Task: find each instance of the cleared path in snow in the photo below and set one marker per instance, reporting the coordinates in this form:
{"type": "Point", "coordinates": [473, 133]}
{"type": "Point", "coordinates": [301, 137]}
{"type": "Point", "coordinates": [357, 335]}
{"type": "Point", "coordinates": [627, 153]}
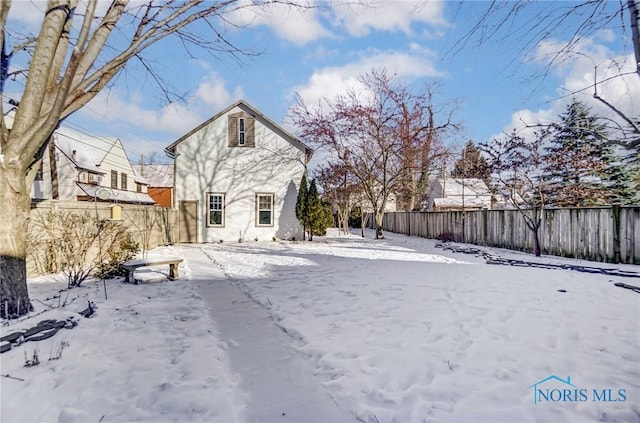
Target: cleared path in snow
{"type": "Point", "coordinates": [279, 382]}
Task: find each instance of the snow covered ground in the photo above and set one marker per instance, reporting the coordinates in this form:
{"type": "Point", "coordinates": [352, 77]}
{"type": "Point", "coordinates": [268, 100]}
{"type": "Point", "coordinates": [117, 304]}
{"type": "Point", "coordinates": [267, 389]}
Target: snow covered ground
{"type": "Point", "coordinates": [150, 354]}
{"type": "Point", "coordinates": [393, 330]}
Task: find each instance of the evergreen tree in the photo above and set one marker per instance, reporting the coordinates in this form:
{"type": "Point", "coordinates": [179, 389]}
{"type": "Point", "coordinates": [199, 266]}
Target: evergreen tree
{"type": "Point", "coordinates": [472, 164]}
{"type": "Point", "coordinates": [582, 167]}
{"type": "Point", "coordinates": [302, 210]}
{"type": "Point", "coordinates": [315, 211]}
{"type": "Point", "coordinates": [632, 161]}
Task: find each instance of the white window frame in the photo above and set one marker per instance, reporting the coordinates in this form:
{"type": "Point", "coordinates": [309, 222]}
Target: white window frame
{"type": "Point", "coordinates": [221, 209]}
{"type": "Point", "coordinates": [258, 209]}
{"type": "Point", "coordinates": [242, 127]}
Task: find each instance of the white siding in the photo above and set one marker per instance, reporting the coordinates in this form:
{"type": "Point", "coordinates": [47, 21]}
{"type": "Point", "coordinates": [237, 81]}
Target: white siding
{"type": "Point", "coordinates": [116, 159]}
{"type": "Point", "coordinates": [206, 164]}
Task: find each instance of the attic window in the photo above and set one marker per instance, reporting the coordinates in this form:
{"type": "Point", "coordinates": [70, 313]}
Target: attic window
{"type": "Point", "coordinates": [241, 131]}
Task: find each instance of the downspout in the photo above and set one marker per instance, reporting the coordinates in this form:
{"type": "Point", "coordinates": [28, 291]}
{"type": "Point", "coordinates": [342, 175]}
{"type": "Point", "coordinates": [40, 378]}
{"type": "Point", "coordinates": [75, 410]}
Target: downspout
{"type": "Point", "coordinates": [53, 169]}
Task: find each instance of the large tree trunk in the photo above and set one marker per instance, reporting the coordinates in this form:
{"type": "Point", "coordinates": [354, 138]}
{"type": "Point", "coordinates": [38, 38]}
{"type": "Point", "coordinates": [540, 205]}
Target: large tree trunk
{"type": "Point", "coordinates": [378, 222]}
{"type": "Point", "coordinates": [363, 221]}
{"type": "Point", "coordinates": [14, 215]}
{"type": "Point", "coordinates": [536, 241]}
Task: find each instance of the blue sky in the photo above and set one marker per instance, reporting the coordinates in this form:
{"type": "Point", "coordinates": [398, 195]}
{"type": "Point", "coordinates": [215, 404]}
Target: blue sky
{"type": "Point", "coordinates": [319, 52]}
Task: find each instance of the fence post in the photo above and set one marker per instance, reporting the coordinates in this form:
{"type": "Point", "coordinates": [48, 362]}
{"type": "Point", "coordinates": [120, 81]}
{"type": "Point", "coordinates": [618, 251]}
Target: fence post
{"type": "Point", "coordinates": [484, 226]}
{"type": "Point", "coordinates": [615, 214]}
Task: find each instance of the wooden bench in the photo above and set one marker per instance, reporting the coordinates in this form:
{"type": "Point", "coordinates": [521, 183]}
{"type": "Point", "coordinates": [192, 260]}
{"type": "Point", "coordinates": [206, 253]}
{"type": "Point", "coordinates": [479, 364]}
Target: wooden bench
{"type": "Point", "coordinates": [132, 265]}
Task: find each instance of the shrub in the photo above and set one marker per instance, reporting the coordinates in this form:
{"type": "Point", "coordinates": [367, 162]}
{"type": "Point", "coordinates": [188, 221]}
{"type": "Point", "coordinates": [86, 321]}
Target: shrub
{"type": "Point", "coordinates": [121, 251]}
{"type": "Point", "coordinates": [446, 237]}
{"type": "Point", "coordinates": [324, 220]}
{"type": "Point", "coordinates": [79, 243]}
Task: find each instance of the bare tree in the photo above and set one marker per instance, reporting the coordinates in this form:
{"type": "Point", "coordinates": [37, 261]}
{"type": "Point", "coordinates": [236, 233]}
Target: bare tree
{"type": "Point", "coordinates": [508, 20]}
{"type": "Point", "coordinates": [374, 133]}
{"type": "Point", "coordinates": [518, 167]}
{"type": "Point", "coordinates": [339, 188]}
{"type": "Point", "coordinates": [424, 126]}
{"type": "Point", "coordinates": [70, 65]}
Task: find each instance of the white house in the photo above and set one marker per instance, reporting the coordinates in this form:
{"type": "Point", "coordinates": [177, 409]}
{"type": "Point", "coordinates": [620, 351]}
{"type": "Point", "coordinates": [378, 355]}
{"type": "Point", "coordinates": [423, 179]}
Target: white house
{"type": "Point", "coordinates": [75, 166]}
{"type": "Point", "coordinates": [458, 194]}
{"type": "Point", "coordinates": [237, 177]}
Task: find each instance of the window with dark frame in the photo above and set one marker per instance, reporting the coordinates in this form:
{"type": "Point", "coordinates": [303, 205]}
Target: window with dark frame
{"type": "Point", "coordinates": [264, 203]}
{"type": "Point", "coordinates": [123, 181]}
{"type": "Point", "coordinates": [114, 179]}
{"type": "Point", "coordinates": [216, 209]}
{"type": "Point", "coordinates": [138, 187]}
{"type": "Point", "coordinates": [241, 131]}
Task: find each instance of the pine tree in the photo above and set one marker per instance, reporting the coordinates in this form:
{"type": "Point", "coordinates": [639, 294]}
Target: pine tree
{"type": "Point", "coordinates": [315, 212]}
{"type": "Point", "coordinates": [302, 210]}
{"type": "Point", "coordinates": [632, 162]}
{"type": "Point", "coordinates": [472, 164]}
{"type": "Point", "coordinates": [582, 168]}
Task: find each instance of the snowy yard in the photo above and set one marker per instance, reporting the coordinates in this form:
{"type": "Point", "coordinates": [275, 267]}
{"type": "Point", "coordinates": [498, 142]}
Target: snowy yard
{"type": "Point", "coordinates": [396, 330]}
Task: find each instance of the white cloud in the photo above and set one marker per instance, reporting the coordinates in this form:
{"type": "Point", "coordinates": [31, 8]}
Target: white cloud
{"type": "Point", "coordinates": [176, 118]}
{"type": "Point", "coordinates": [301, 25]}
{"type": "Point", "coordinates": [29, 13]}
{"type": "Point", "coordinates": [588, 60]}
{"type": "Point", "coordinates": [213, 92]}
{"type": "Point", "coordinates": [331, 81]}
{"type": "Point", "coordinates": [297, 25]}
{"type": "Point", "coordinates": [360, 19]}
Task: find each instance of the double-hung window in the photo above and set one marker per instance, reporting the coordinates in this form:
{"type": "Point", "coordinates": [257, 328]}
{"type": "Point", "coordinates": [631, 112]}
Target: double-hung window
{"type": "Point", "coordinates": [264, 206]}
{"type": "Point", "coordinates": [216, 209]}
{"type": "Point", "coordinates": [114, 179]}
{"type": "Point", "coordinates": [123, 181]}
{"type": "Point", "coordinates": [241, 131]}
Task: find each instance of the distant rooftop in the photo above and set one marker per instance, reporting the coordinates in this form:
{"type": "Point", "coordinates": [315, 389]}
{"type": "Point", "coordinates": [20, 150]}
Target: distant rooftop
{"type": "Point", "coordinates": [89, 150]}
{"type": "Point", "coordinates": [157, 175]}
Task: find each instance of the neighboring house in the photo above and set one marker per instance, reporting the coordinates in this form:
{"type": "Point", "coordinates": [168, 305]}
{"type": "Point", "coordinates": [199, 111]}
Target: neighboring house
{"type": "Point", "coordinates": [237, 177]}
{"type": "Point", "coordinates": [458, 194]}
{"type": "Point", "coordinates": [160, 179]}
{"type": "Point", "coordinates": [360, 199]}
{"type": "Point", "coordinates": [75, 166]}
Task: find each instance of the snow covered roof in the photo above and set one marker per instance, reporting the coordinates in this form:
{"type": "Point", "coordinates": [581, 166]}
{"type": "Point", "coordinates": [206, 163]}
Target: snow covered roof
{"type": "Point", "coordinates": [116, 194]}
{"type": "Point", "coordinates": [156, 175]}
{"type": "Point", "coordinates": [89, 150]}
{"type": "Point", "coordinates": [469, 203]}
{"type": "Point", "coordinates": [139, 179]}
{"type": "Point", "coordinates": [468, 186]}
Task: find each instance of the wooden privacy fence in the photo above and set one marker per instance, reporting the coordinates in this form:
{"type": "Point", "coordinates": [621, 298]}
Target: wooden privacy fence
{"type": "Point", "coordinates": [149, 225]}
{"type": "Point", "coordinates": [607, 234]}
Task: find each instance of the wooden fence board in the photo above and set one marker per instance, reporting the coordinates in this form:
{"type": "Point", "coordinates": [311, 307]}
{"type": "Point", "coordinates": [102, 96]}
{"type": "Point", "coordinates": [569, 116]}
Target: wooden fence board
{"type": "Point", "coordinates": [585, 233]}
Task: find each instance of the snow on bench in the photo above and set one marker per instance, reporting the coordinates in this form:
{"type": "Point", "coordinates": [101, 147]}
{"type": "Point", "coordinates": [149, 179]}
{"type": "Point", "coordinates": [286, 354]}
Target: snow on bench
{"type": "Point", "coordinates": [132, 265]}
